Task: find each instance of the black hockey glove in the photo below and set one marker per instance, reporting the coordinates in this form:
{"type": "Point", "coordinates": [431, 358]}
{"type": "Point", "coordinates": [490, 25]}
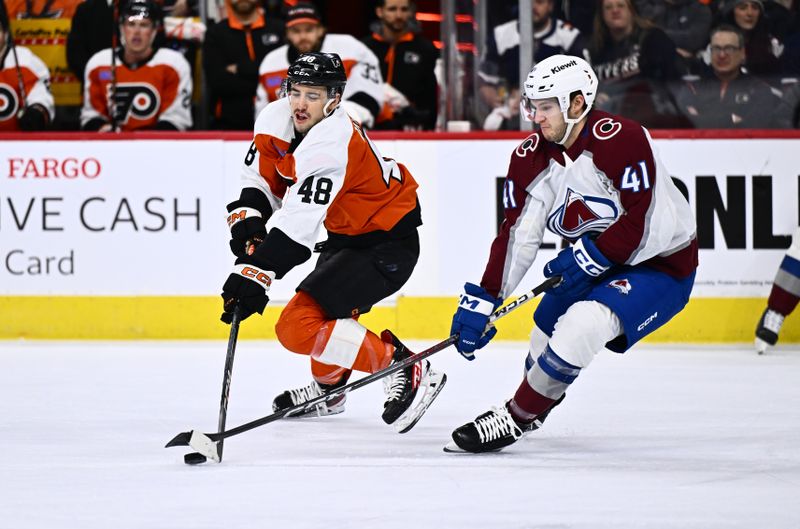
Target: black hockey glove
{"type": "Point", "coordinates": [34, 118]}
{"type": "Point", "coordinates": [248, 228]}
{"type": "Point", "coordinates": [246, 287]}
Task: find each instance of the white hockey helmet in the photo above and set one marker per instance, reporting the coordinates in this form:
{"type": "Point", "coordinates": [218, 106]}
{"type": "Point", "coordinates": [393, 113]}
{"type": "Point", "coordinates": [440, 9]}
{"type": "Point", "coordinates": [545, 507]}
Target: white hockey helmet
{"type": "Point", "coordinates": [559, 76]}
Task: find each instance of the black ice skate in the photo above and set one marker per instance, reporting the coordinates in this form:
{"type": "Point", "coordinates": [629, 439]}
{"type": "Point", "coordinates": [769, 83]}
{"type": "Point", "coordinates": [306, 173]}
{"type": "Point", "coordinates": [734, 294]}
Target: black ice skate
{"type": "Point", "coordinates": [768, 328]}
{"type": "Point", "coordinates": [494, 430]}
{"type": "Point", "coordinates": [402, 387]}
{"type": "Point", "coordinates": [293, 397]}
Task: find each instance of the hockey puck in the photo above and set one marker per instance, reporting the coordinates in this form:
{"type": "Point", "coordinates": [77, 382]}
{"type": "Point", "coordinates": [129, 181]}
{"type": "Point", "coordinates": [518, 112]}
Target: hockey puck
{"type": "Point", "coordinates": [195, 458]}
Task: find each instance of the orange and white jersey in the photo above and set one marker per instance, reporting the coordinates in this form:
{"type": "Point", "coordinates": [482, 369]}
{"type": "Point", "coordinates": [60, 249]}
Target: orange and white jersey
{"type": "Point", "coordinates": [158, 90]}
{"type": "Point", "coordinates": [363, 94]}
{"type": "Point", "coordinates": [35, 81]}
{"type": "Point", "coordinates": [335, 177]}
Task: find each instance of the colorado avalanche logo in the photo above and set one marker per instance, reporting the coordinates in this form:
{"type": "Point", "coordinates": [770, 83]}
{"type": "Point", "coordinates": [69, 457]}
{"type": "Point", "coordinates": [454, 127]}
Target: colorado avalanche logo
{"type": "Point", "coordinates": [623, 285]}
{"type": "Point", "coordinates": [580, 214]}
{"type": "Point", "coordinates": [606, 128]}
{"type": "Point", "coordinates": [529, 144]}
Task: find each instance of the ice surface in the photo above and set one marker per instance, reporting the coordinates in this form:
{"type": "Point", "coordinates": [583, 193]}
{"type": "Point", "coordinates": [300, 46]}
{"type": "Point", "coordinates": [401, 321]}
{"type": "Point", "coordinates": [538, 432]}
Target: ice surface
{"type": "Point", "coordinates": [688, 437]}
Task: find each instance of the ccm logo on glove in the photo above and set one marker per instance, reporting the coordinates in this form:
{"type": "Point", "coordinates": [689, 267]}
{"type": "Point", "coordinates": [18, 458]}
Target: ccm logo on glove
{"type": "Point", "coordinates": [257, 275]}
{"type": "Point", "coordinates": [241, 214]}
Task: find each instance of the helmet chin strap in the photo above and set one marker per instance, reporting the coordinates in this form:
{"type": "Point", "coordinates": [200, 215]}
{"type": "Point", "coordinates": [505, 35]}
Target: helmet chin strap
{"type": "Point", "coordinates": [327, 110]}
{"type": "Point", "coordinates": [571, 123]}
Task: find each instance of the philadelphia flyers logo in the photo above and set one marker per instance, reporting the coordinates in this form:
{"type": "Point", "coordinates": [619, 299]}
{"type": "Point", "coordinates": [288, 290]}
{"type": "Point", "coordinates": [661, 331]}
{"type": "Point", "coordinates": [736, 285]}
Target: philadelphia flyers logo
{"type": "Point", "coordinates": [529, 144]}
{"type": "Point", "coordinates": [606, 128]}
{"type": "Point", "coordinates": [9, 102]}
{"type": "Point", "coordinates": [136, 100]}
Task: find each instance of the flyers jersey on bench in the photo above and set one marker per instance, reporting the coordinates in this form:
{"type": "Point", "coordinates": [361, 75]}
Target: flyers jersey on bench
{"type": "Point", "coordinates": [364, 81]}
{"type": "Point", "coordinates": [35, 80]}
{"type": "Point", "coordinates": [158, 90]}
{"type": "Point", "coordinates": [335, 177]}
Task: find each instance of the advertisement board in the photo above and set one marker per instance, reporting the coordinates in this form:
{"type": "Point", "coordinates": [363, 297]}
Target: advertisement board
{"type": "Point", "coordinates": [146, 217]}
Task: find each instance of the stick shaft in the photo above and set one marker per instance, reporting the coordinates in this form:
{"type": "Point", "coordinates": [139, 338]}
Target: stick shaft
{"type": "Point", "coordinates": [503, 311]}
{"type": "Point", "coordinates": [228, 374]}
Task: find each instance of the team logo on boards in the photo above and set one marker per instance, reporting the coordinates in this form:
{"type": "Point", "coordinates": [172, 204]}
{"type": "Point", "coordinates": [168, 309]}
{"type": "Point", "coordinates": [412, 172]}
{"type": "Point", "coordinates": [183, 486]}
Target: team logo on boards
{"type": "Point", "coordinates": [623, 285]}
{"type": "Point", "coordinates": [580, 214]}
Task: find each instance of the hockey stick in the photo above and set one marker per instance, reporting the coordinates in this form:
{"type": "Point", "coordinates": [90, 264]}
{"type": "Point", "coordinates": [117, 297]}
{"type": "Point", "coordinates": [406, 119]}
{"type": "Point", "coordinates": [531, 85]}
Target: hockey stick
{"type": "Point", "coordinates": [195, 458]}
{"type": "Point", "coordinates": [205, 443]}
{"type": "Point", "coordinates": [13, 48]}
{"type": "Point", "coordinates": [112, 100]}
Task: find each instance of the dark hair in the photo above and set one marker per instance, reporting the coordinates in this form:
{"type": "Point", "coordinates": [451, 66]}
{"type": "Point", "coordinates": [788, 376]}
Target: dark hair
{"type": "Point", "coordinates": [382, 3]}
{"type": "Point", "coordinates": [728, 28]}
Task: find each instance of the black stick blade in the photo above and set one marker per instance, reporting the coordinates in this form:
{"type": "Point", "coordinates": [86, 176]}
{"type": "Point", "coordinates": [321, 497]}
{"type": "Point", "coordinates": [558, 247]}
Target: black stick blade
{"type": "Point", "coordinates": [182, 439]}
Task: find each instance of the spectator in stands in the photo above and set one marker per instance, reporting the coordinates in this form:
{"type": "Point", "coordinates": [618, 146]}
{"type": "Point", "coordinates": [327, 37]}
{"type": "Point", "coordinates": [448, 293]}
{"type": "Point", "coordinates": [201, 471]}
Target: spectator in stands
{"type": "Point", "coordinates": [363, 95]}
{"type": "Point", "coordinates": [137, 86]}
{"type": "Point", "coordinates": [232, 52]}
{"type": "Point", "coordinates": [686, 22]}
{"type": "Point", "coordinates": [634, 61]}
{"type": "Point", "coordinates": [27, 103]}
{"type": "Point", "coordinates": [729, 97]}
{"type": "Point", "coordinates": [499, 69]}
{"type": "Point", "coordinates": [762, 49]}
{"type": "Point", "coordinates": [407, 66]}
{"type": "Point", "coordinates": [92, 29]}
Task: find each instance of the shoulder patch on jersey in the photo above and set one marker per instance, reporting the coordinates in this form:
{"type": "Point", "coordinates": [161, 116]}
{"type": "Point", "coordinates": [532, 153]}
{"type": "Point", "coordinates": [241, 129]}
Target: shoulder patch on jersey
{"type": "Point", "coordinates": [529, 144]}
{"type": "Point", "coordinates": [606, 128]}
{"type": "Point", "coordinates": [579, 214]}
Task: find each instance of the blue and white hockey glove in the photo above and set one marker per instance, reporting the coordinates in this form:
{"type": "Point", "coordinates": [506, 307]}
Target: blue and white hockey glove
{"type": "Point", "coordinates": [578, 266]}
{"type": "Point", "coordinates": [470, 320]}
{"type": "Point", "coordinates": [247, 286]}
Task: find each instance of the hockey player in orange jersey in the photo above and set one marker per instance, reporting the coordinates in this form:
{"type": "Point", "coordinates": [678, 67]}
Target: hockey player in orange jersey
{"type": "Point", "coordinates": [310, 165]}
{"type": "Point", "coordinates": [25, 99]}
{"type": "Point", "coordinates": [144, 88]}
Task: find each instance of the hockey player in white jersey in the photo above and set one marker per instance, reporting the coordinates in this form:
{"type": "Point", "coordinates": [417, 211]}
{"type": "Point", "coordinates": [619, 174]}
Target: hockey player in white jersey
{"type": "Point", "coordinates": [363, 95]}
{"type": "Point", "coordinates": [596, 180]}
{"type": "Point", "coordinates": [311, 165]}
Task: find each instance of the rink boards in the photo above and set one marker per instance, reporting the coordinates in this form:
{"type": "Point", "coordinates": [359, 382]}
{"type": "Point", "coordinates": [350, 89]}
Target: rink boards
{"type": "Point", "coordinates": [126, 238]}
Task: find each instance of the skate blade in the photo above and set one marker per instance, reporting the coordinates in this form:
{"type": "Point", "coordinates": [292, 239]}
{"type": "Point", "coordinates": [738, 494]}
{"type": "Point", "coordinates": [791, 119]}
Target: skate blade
{"type": "Point", "coordinates": [453, 448]}
{"type": "Point", "coordinates": [435, 384]}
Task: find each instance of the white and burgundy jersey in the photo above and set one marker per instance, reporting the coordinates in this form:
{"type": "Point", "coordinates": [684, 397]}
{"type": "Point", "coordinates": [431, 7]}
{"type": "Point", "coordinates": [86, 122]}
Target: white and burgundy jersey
{"type": "Point", "coordinates": [335, 177]}
{"type": "Point", "coordinates": [158, 90]}
{"type": "Point", "coordinates": [35, 81]}
{"type": "Point", "coordinates": [610, 181]}
{"type": "Point", "coordinates": [363, 92]}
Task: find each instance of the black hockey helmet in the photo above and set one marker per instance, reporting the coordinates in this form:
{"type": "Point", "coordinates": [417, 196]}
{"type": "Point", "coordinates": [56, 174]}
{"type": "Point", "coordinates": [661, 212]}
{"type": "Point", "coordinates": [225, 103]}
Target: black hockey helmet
{"type": "Point", "coordinates": [318, 69]}
{"type": "Point", "coordinates": [141, 9]}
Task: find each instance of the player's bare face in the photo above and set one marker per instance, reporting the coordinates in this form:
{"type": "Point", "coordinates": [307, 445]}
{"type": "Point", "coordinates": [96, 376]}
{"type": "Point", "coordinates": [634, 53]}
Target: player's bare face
{"type": "Point", "coordinates": [307, 104]}
{"type": "Point", "coordinates": [139, 34]}
{"type": "Point", "coordinates": [618, 16]}
{"type": "Point", "coordinates": [305, 37]}
{"type": "Point", "coordinates": [746, 15]}
{"type": "Point", "coordinates": [395, 14]}
{"type": "Point", "coordinates": [547, 115]}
